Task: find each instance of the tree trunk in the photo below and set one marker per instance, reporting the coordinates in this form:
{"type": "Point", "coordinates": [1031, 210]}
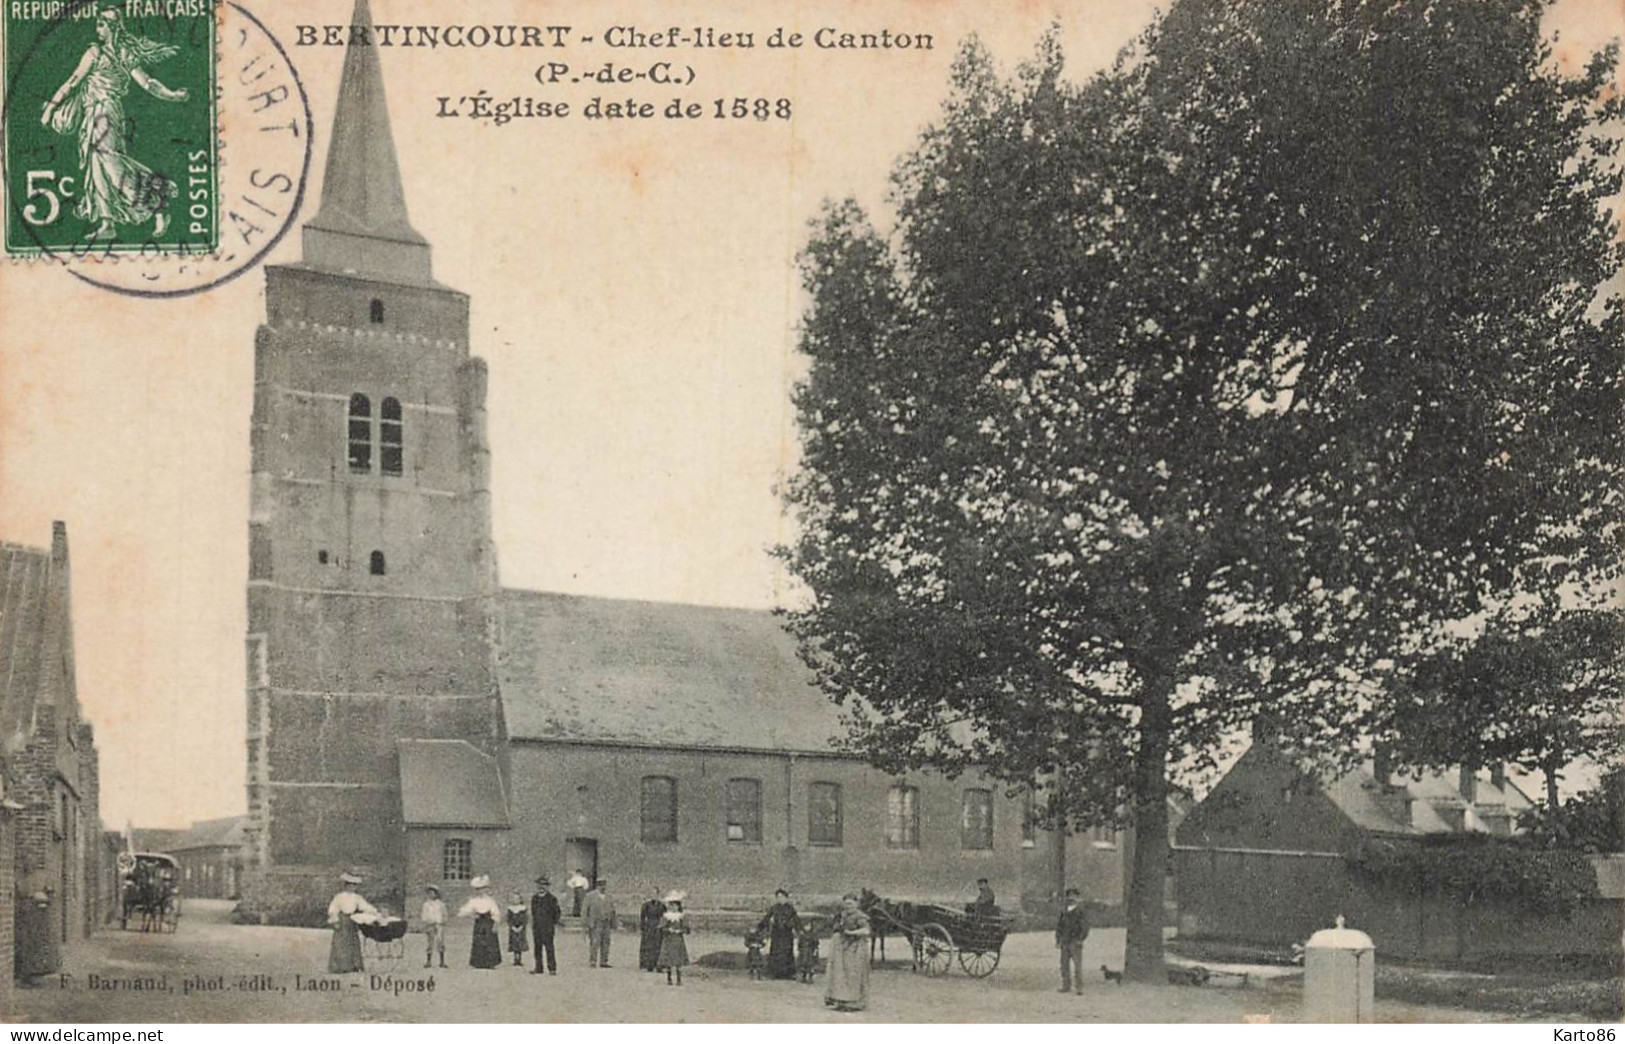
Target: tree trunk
{"type": "Point", "coordinates": [1142, 958]}
{"type": "Point", "coordinates": [1553, 770]}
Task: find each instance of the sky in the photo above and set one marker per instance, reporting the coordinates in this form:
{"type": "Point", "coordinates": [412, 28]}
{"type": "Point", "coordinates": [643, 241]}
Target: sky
{"type": "Point", "coordinates": [633, 289]}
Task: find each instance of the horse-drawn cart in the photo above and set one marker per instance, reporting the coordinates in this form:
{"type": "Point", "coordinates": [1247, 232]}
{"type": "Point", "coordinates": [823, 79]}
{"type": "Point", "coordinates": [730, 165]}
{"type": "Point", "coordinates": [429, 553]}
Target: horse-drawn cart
{"type": "Point", "coordinates": [149, 891]}
{"type": "Point", "coordinates": [940, 935]}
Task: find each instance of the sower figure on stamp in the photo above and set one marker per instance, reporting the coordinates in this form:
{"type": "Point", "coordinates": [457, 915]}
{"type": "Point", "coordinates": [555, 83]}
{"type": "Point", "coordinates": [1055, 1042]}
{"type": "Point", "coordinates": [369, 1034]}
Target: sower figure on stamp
{"type": "Point", "coordinates": [115, 189]}
{"type": "Point", "coordinates": [598, 910]}
{"type": "Point", "coordinates": [544, 918]}
{"type": "Point", "coordinates": [1071, 928]}
{"type": "Point", "coordinates": [433, 916]}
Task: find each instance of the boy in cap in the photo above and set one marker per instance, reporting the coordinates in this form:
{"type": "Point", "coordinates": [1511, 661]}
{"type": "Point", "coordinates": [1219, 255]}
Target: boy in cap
{"type": "Point", "coordinates": [433, 916]}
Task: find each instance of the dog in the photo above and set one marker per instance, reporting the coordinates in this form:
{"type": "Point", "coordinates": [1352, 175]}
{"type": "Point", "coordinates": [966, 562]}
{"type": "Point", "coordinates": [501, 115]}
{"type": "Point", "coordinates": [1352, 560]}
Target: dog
{"type": "Point", "coordinates": [1111, 976]}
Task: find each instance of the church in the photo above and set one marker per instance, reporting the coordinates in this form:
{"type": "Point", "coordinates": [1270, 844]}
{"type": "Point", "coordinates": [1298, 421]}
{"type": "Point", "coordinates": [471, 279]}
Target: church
{"type": "Point", "coordinates": [410, 717]}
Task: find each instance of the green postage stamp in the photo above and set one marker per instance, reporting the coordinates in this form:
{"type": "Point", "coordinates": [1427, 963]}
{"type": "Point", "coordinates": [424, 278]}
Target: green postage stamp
{"type": "Point", "coordinates": [109, 116]}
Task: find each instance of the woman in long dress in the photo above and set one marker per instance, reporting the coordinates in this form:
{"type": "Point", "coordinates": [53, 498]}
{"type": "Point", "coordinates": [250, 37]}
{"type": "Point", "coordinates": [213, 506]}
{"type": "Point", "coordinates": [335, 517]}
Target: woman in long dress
{"type": "Point", "coordinates": [780, 926]}
{"type": "Point", "coordinates": [486, 951]}
{"type": "Point", "coordinates": [847, 975]}
{"type": "Point", "coordinates": [344, 956]}
{"type": "Point", "coordinates": [649, 933]}
{"type": "Point", "coordinates": [114, 188]}
{"type": "Point", "coordinates": [673, 949]}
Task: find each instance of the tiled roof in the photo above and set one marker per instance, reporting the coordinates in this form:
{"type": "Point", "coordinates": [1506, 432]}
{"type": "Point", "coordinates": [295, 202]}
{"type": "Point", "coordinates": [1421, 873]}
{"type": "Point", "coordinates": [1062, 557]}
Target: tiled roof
{"type": "Point", "coordinates": [1372, 807]}
{"type": "Point", "coordinates": [450, 783]}
{"type": "Point", "coordinates": [619, 671]}
{"type": "Point", "coordinates": [211, 833]}
{"type": "Point", "coordinates": [156, 839]}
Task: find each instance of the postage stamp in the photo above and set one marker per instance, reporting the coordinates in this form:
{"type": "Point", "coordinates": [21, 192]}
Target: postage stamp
{"type": "Point", "coordinates": [110, 127]}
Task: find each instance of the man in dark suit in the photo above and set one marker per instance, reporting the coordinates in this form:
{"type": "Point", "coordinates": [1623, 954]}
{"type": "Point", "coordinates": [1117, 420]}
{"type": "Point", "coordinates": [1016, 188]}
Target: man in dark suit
{"type": "Point", "coordinates": [544, 917]}
{"type": "Point", "coordinates": [1071, 928]}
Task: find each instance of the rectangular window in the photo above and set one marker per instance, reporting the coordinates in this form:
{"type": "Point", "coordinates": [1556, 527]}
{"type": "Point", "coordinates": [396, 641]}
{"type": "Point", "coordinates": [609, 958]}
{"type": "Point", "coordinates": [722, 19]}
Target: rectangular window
{"type": "Point", "coordinates": [976, 820]}
{"type": "Point", "coordinates": [457, 859]}
{"type": "Point", "coordinates": [745, 810]}
{"type": "Point", "coordinates": [659, 809]}
{"type": "Point", "coordinates": [903, 817]}
{"type": "Point", "coordinates": [390, 440]}
{"type": "Point", "coordinates": [824, 814]}
{"type": "Point", "coordinates": [1104, 836]}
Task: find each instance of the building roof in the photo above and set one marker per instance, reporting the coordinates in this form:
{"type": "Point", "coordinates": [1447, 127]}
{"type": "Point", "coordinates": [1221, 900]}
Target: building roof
{"type": "Point", "coordinates": [609, 670]}
{"type": "Point", "coordinates": [450, 783]}
{"type": "Point", "coordinates": [226, 832]}
{"type": "Point", "coordinates": [156, 839]}
{"type": "Point", "coordinates": [1412, 804]}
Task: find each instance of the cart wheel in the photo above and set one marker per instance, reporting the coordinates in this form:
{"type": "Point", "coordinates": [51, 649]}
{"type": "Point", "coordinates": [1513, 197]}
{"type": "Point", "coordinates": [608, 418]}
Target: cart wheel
{"type": "Point", "coordinates": [936, 950]}
{"type": "Point", "coordinates": [979, 963]}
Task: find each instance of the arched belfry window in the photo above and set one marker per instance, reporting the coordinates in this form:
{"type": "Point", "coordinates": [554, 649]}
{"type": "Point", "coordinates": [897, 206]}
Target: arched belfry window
{"type": "Point", "coordinates": [360, 433]}
{"type": "Point", "coordinates": [377, 310]}
{"type": "Point", "coordinates": [390, 436]}
{"type": "Point", "coordinates": [376, 563]}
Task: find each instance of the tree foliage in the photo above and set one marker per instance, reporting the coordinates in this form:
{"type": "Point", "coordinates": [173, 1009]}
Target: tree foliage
{"type": "Point", "coordinates": [1475, 868]}
{"type": "Point", "coordinates": [1213, 385]}
{"type": "Point", "coordinates": [1591, 821]}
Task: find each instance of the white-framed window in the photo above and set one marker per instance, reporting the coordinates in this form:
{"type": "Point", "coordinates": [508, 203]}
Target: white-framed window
{"type": "Point", "coordinates": [457, 859]}
{"type": "Point", "coordinates": [976, 819]}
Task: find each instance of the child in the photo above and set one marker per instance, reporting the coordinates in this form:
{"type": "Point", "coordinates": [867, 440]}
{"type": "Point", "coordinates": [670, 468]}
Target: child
{"type": "Point", "coordinates": [754, 961]}
{"type": "Point", "coordinates": [673, 950]}
{"type": "Point", "coordinates": [518, 921]}
{"type": "Point", "coordinates": [434, 927]}
{"type": "Point", "coordinates": [806, 950]}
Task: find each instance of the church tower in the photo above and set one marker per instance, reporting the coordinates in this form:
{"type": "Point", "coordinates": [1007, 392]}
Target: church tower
{"type": "Point", "coordinates": [372, 575]}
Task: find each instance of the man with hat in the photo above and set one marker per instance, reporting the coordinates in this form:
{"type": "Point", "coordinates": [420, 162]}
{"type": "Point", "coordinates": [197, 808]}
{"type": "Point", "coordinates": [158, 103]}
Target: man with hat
{"type": "Point", "coordinates": [544, 917]}
{"type": "Point", "coordinates": [1071, 928]}
{"type": "Point", "coordinates": [598, 910]}
{"type": "Point", "coordinates": [434, 927]}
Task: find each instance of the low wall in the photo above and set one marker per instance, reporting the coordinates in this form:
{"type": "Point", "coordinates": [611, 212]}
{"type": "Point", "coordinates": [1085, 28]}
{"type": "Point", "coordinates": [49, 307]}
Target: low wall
{"type": "Point", "coordinates": [1275, 899]}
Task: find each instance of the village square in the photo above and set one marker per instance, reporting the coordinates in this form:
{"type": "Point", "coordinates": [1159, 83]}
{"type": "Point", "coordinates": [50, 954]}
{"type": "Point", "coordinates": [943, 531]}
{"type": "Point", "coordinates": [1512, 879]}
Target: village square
{"type": "Point", "coordinates": [1187, 630]}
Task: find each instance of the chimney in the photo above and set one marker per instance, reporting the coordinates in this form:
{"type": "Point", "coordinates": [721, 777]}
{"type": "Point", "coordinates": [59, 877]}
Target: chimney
{"type": "Point", "coordinates": [1467, 784]}
{"type": "Point", "coordinates": [1382, 764]}
{"type": "Point", "coordinates": [59, 542]}
{"type": "Point", "coordinates": [1265, 729]}
{"type": "Point", "coordinates": [1498, 775]}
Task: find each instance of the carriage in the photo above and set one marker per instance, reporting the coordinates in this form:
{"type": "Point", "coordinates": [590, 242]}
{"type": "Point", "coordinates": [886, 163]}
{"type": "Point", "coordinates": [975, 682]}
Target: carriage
{"type": "Point", "coordinates": [942, 935]}
{"type": "Point", "coordinates": [149, 891]}
{"type": "Point", "coordinates": [383, 941]}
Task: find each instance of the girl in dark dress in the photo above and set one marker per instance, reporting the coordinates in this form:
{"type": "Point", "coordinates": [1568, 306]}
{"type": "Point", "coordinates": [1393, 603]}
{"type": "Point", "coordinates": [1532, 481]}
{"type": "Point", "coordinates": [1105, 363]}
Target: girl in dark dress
{"type": "Point", "coordinates": [649, 931]}
{"type": "Point", "coordinates": [518, 921]}
{"type": "Point", "coordinates": [673, 950]}
{"type": "Point", "coordinates": [780, 927]}
{"type": "Point", "coordinates": [486, 951]}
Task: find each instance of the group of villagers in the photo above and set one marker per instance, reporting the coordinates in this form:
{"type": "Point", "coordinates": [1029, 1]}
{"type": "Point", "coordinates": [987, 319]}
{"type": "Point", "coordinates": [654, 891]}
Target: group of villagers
{"type": "Point", "coordinates": [791, 942]}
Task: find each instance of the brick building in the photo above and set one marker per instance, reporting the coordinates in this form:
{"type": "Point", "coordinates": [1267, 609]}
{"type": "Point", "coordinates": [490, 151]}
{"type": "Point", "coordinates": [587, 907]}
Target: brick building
{"type": "Point", "coordinates": [409, 716]}
{"type": "Point", "coordinates": [49, 788]}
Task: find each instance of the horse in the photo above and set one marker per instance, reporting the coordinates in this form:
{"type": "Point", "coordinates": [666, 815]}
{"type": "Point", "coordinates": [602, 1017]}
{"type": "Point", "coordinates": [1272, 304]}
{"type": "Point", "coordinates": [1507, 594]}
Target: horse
{"type": "Point", "coordinates": [147, 891]}
{"type": "Point", "coordinates": [888, 918]}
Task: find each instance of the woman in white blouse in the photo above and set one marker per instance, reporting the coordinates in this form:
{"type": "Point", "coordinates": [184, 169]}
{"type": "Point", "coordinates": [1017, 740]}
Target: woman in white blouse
{"type": "Point", "coordinates": [345, 955]}
{"type": "Point", "coordinates": [486, 951]}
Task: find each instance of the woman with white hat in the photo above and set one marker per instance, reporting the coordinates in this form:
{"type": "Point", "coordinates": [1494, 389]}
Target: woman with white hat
{"type": "Point", "coordinates": [345, 954]}
{"type": "Point", "coordinates": [673, 950]}
{"type": "Point", "coordinates": [486, 951]}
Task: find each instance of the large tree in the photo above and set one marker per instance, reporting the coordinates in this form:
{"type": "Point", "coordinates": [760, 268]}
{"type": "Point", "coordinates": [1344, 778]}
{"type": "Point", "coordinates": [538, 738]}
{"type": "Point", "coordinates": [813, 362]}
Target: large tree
{"type": "Point", "coordinates": [1213, 386]}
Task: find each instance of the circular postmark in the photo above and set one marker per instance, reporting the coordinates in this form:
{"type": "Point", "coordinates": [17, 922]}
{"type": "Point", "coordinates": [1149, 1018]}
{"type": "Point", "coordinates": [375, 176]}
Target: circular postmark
{"type": "Point", "coordinates": [155, 148]}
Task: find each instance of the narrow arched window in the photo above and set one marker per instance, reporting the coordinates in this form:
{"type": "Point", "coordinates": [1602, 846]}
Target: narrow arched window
{"type": "Point", "coordinates": [360, 433]}
{"type": "Point", "coordinates": [390, 436]}
{"type": "Point", "coordinates": [377, 310]}
{"type": "Point", "coordinates": [377, 563]}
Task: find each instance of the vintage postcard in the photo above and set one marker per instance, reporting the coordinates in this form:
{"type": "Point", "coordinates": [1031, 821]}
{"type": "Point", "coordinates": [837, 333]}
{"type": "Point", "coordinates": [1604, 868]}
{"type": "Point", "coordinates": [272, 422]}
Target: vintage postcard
{"type": "Point", "coordinates": [811, 511]}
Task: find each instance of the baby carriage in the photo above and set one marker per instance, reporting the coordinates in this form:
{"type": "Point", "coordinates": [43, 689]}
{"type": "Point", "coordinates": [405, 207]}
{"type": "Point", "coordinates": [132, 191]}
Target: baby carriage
{"type": "Point", "coordinates": [383, 941]}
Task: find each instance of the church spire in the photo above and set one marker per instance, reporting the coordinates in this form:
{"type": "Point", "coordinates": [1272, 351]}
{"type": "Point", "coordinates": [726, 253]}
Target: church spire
{"type": "Point", "coordinates": [361, 226]}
